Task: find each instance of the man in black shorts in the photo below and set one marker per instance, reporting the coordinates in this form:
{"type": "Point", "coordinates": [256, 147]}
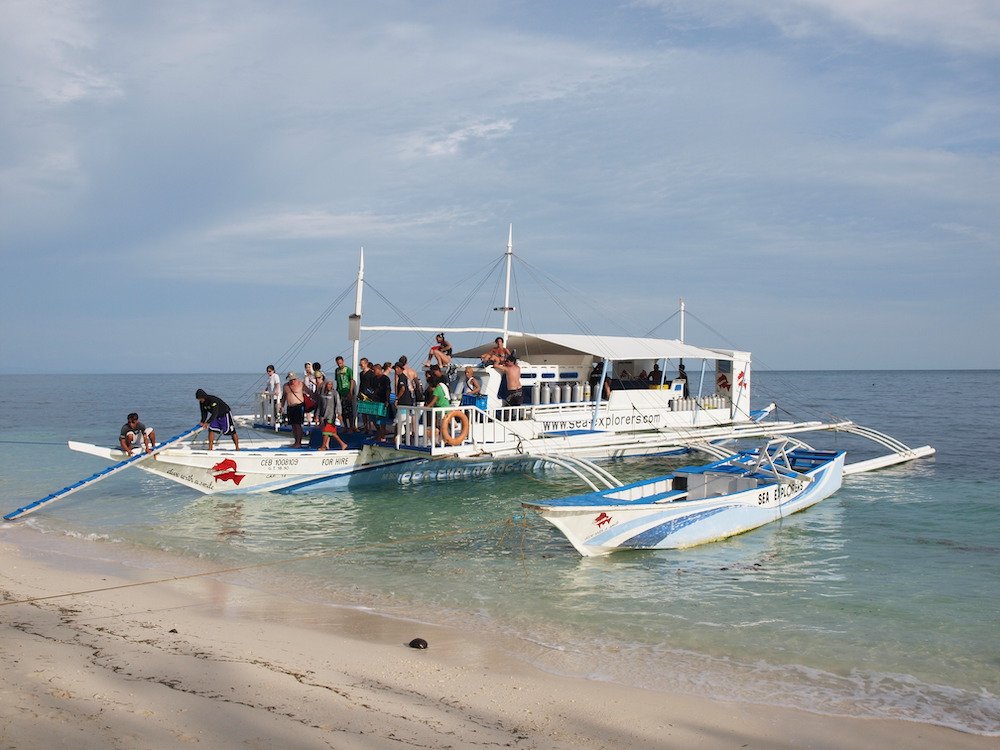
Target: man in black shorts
{"type": "Point", "coordinates": [216, 416]}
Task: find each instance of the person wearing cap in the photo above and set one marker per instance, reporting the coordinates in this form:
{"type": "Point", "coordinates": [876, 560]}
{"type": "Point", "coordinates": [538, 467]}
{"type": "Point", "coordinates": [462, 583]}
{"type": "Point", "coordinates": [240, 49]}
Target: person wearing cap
{"type": "Point", "coordinates": [135, 434]}
{"type": "Point", "coordinates": [293, 399]}
{"type": "Point", "coordinates": [404, 386]}
{"type": "Point", "coordinates": [217, 417]}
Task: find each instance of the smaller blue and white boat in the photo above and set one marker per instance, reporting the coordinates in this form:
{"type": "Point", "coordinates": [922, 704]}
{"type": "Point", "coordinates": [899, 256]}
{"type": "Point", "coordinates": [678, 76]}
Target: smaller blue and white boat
{"type": "Point", "coordinates": [697, 504]}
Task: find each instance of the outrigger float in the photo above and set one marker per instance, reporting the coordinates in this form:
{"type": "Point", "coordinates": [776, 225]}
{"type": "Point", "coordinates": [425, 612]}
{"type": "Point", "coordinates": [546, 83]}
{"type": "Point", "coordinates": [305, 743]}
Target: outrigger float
{"type": "Point", "coordinates": [565, 419]}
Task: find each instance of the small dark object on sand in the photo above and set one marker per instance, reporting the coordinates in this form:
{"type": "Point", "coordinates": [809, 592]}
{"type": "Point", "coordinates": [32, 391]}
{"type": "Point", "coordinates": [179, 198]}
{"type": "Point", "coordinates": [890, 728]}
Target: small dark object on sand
{"type": "Point", "coordinates": [418, 643]}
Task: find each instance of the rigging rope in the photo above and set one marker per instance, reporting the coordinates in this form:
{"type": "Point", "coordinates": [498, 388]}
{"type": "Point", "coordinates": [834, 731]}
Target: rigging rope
{"type": "Point", "coordinates": [789, 390]}
{"type": "Point", "coordinates": [285, 361]}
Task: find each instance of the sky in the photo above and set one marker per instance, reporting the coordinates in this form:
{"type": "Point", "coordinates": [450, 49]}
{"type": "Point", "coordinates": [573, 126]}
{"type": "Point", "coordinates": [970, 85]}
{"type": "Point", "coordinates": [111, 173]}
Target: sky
{"type": "Point", "coordinates": [186, 186]}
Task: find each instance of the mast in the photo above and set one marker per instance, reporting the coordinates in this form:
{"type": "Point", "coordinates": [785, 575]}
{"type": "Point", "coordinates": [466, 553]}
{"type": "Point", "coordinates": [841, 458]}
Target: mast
{"type": "Point", "coordinates": [506, 293]}
{"type": "Point", "coordinates": [356, 317]}
{"type": "Point", "coordinates": [682, 320]}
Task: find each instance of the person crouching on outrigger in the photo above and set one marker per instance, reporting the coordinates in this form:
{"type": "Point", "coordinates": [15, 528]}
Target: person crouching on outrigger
{"type": "Point", "coordinates": [135, 435]}
{"type": "Point", "coordinates": [217, 417]}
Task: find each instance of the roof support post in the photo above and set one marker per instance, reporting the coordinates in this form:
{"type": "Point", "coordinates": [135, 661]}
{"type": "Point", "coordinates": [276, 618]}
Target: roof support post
{"type": "Point", "coordinates": [600, 393]}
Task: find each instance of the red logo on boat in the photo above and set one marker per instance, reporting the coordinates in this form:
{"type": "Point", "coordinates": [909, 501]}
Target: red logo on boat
{"type": "Point", "coordinates": [602, 519]}
{"type": "Point", "coordinates": [723, 382]}
{"type": "Point", "coordinates": [741, 380]}
{"type": "Point", "coordinates": [227, 472]}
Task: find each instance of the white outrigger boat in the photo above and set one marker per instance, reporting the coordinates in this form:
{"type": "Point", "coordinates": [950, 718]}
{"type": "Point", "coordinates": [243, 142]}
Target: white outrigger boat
{"type": "Point", "coordinates": [564, 419]}
{"type": "Point", "coordinates": [697, 504]}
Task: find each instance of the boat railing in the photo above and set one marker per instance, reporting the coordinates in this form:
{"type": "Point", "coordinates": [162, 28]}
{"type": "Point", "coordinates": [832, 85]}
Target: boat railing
{"type": "Point", "coordinates": [450, 429]}
{"type": "Point", "coordinates": [269, 410]}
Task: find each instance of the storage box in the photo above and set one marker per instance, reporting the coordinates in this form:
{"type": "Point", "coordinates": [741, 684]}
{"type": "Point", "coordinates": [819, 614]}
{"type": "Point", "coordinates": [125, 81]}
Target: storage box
{"type": "Point", "coordinates": [372, 408]}
{"type": "Point", "coordinates": [470, 399]}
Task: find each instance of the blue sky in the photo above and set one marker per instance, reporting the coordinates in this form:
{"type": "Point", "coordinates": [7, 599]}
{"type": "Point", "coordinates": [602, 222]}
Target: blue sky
{"type": "Point", "coordinates": [184, 186]}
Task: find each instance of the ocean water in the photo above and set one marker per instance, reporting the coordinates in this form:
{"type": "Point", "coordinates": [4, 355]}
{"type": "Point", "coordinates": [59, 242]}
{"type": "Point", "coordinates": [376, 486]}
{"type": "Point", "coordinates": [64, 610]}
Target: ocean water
{"type": "Point", "coordinates": [882, 601]}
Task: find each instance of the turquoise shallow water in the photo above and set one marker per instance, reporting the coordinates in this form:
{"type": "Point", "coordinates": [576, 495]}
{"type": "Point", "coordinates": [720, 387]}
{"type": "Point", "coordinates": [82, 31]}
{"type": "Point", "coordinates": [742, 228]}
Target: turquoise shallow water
{"type": "Point", "coordinates": [881, 601]}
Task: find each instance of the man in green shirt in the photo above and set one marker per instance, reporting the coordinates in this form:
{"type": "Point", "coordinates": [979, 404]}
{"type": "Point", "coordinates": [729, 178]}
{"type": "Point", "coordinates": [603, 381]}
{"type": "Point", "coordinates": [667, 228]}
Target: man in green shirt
{"type": "Point", "coordinates": [344, 378]}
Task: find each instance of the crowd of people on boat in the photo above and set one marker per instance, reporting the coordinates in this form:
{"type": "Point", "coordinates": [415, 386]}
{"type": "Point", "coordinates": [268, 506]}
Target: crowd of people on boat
{"type": "Point", "coordinates": [342, 403]}
{"type": "Point", "coordinates": [366, 402]}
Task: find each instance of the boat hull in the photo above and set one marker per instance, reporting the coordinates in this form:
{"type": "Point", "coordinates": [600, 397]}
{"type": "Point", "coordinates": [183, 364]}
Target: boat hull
{"type": "Point", "coordinates": [267, 470]}
{"type": "Point", "coordinates": [283, 470]}
{"type": "Point", "coordinates": [595, 529]}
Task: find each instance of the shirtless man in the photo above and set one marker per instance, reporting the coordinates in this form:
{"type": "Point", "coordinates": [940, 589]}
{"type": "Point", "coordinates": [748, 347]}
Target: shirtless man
{"type": "Point", "coordinates": [512, 371]}
{"type": "Point", "coordinates": [294, 401]}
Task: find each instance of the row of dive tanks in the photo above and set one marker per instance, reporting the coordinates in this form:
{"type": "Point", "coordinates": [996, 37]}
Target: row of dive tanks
{"type": "Point", "coordinates": [564, 393]}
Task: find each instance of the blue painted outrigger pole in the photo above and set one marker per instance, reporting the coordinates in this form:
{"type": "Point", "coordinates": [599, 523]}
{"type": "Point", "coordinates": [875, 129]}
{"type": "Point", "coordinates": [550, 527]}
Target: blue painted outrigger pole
{"type": "Point", "coordinates": [94, 478]}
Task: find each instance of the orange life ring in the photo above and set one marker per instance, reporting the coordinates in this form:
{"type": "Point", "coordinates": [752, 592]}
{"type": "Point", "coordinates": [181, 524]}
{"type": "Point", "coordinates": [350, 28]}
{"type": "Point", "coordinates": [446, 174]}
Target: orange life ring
{"type": "Point", "coordinates": [446, 428]}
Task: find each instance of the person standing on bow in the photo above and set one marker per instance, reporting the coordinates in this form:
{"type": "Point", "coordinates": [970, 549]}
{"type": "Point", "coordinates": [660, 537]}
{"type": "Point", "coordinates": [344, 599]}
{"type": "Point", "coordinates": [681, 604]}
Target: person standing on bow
{"type": "Point", "coordinates": [293, 398]}
{"type": "Point", "coordinates": [217, 417]}
{"type": "Point", "coordinates": [135, 434]}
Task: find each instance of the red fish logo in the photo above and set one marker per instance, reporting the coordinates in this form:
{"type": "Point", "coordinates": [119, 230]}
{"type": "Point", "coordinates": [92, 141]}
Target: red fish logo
{"type": "Point", "coordinates": [227, 472]}
{"type": "Point", "coordinates": [723, 382]}
{"type": "Point", "coordinates": [741, 380]}
{"type": "Point", "coordinates": [602, 519]}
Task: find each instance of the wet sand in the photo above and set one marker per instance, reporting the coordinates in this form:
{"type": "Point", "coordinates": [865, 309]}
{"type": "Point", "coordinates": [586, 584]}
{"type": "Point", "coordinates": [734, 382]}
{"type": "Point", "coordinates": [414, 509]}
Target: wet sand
{"type": "Point", "coordinates": [107, 663]}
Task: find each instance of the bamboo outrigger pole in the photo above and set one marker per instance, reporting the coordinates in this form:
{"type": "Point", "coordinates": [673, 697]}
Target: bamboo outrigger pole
{"type": "Point", "coordinates": [95, 478]}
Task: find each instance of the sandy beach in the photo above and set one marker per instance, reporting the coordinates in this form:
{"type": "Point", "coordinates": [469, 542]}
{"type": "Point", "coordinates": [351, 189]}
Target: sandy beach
{"type": "Point", "coordinates": [91, 659]}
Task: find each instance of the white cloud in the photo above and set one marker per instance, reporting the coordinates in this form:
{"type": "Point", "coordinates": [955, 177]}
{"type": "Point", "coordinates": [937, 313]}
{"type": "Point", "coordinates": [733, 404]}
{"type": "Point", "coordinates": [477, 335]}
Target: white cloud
{"type": "Point", "coordinates": [965, 25]}
{"type": "Point", "coordinates": [149, 142]}
{"type": "Point", "coordinates": [958, 25]}
{"type": "Point", "coordinates": [48, 53]}
{"type": "Point", "coordinates": [321, 224]}
{"type": "Point", "coordinates": [431, 143]}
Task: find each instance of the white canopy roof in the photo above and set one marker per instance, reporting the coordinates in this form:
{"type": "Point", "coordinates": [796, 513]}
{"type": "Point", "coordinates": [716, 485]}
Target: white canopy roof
{"type": "Point", "coordinates": [616, 348]}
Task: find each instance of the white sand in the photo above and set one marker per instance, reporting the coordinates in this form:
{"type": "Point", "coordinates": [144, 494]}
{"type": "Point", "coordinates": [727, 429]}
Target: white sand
{"type": "Point", "coordinates": [249, 669]}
